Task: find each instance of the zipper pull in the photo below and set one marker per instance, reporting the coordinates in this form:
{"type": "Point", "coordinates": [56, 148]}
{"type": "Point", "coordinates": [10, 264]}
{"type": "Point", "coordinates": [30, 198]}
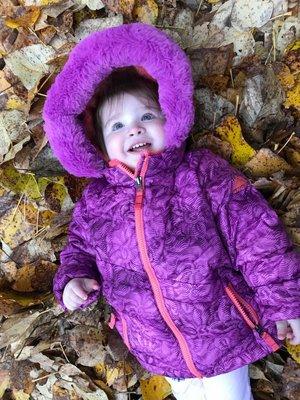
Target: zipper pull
{"type": "Point", "coordinates": [138, 182]}
{"type": "Point", "coordinates": [259, 329]}
{"type": "Point", "coordinates": [139, 192]}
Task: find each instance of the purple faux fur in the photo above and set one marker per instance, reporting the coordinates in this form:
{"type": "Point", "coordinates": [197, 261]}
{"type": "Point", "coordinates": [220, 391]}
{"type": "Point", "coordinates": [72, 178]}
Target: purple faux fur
{"type": "Point", "coordinates": [89, 63]}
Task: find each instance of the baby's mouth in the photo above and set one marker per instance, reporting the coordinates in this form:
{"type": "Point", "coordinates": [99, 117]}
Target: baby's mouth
{"type": "Point", "coordinates": [139, 147]}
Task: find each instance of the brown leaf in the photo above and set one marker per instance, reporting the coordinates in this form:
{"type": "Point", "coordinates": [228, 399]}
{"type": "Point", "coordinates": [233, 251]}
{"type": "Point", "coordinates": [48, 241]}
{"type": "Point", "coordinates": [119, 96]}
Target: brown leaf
{"type": "Point", "coordinates": [124, 7]}
{"type": "Point", "coordinates": [215, 144]}
{"type": "Point", "coordinates": [265, 163]}
{"type": "Point", "coordinates": [87, 342]}
{"type": "Point", "coordinates": [291, 380]}
{"type": "Point", "coordinates": [27, 19]}
{"type": "Point", "coordinates": [217, 83]}
{"type": "Point", "coordinates": [35, 277]}
{"type": "Point", "coordinates": [211, 61]}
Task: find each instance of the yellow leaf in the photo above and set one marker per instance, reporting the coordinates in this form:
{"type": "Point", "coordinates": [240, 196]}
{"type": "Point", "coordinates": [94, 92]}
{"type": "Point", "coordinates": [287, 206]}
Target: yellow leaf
{"type": "Point", "coordinates": [12, 229]}
{"type": "Point", "coordinates": [145, 11]}
{"type": "Point", "coordinates": [15, 103]}
{"type": "Point", "coordinates": [27, 20]}
{"type": "Point", "coordinates": [230, 131]}
{"type": "Point", "coordinates": [41, 3]}
{"type": "Point", "coordinates": [12, 302]}
{"type": "Point", "coordinates": [285, 77]}
{"type": "Point", "coordinates": [293, 97]}
{"type": "Point", "coordinates": [55, 196]}
{"type": "Point", "coordinates": [293, 46]}
{"type": "Point", "coordinates": [20, 395]}
{"type": "Point", "coordinates": [10, 178]}
{"type": "Point", "coordinates": [33, 188]}
{"type": "Point", "coordinates": [4, 382]}
{"type": "Point", "coordinates": [213, 1]}
{"type": "Point", "coordinates": [155, 388]}
{"type": "Point", "coordinates": [111, 375]}
{"type": "Point", "coordinates": [293, 350]}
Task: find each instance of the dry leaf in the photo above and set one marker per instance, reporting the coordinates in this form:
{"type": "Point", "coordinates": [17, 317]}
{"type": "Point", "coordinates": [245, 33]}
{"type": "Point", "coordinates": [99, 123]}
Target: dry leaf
{"type": "Point", "coordinates": [252, 14]}
{"type": "Point", "coordinates": [35, 277]}
{"type": "Point", "coordinates": [294, 351]}
{"type": "Point", "coordinates": [289, 31]}
{"type": "Point", "coordinates": [88, 26]}
{"type": "Point", "coordinates": [124, 7]}
{"type": "Point", "coordinates": [12, 129]}
{"type": "Point", "coordinates": [266, 163]}
{"type": "Point", "coordinates": [87, 342]}
{"type": "Point", "coordinates": [91, 4]}
{"type": "Point", "coordinates": [155, 388]}
{"type": "Point", "coordinates": [12, 302]}
{"type": "Point", "coordinates": [145, 11]}
{"type": "Point", "coordinates": [230, 131]}
{"type": "Point", "coordinates": [4, 382]}
{"type": "Point", "coordinates": [28, 19]}
{"type": "Point", "coordinates": [211, 108]}
{"type": "Point", "coordinates": [29, 64]}
{"type": "Point", "coordinates": [261, 106]}
{"type": "Point", "coordinates": [293, 97]}
{"type": "Point", "coordinates": [214, 61]}
{"type": "Point", "coordinates": [218, 146]}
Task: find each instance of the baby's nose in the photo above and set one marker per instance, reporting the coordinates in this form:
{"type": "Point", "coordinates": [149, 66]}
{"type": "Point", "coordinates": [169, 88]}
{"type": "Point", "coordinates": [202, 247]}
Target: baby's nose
{"type": "Point", "coordinates": [136, 130]}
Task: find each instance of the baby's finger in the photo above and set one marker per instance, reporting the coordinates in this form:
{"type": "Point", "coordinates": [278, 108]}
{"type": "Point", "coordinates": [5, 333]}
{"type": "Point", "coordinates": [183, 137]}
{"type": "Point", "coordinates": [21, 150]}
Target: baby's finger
{"type": "Point", "coordinates": [289, 333]}
{"type": "Point", "coordinates": [80, 292]}
{"type": "Point", "coordinates": [76, 299]}
{"type": "Point", "coordinates": [295, 328]}
{"type": "Point", "coordinates": [281, 329]}
{"type": "Point", "coordinates": [90, 285]}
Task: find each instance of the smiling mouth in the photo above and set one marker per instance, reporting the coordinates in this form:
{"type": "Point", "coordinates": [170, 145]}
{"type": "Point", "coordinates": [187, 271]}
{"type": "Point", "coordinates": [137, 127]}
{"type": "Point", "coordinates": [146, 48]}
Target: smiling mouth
{"type": "Point", "coordinates": [139, 148]}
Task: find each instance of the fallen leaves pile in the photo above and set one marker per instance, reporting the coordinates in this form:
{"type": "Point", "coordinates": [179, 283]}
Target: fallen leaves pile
{"type": "Point", "coordinates": [245, 57]}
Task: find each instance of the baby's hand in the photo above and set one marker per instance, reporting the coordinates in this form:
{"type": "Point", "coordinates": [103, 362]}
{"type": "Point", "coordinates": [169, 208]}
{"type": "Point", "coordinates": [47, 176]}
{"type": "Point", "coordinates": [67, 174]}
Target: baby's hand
{"type": "Point", "coordinates": [289, 329]}
{"type": "Point", "coordinates": [76, 292]}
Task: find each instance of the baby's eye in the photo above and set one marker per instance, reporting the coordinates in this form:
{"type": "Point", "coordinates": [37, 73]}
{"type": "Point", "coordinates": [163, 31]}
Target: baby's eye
{"type": "Point", "coordinates": [116, 126]}
{"type": "Point", "coordinates": [148, 115]}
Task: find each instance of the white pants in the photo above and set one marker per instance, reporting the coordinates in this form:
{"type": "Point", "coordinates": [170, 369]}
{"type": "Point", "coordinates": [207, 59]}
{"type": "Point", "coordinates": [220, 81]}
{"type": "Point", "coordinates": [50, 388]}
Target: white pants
{"type": "Point", "coordinates": [234, 385]}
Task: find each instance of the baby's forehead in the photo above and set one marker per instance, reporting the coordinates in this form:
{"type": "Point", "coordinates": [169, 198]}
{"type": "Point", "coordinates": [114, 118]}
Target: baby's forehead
{"type": "Point", "coordinates": [116, 103]}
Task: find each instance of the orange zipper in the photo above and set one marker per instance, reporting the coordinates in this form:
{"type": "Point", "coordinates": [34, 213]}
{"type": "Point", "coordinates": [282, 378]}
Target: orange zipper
{"type": "Point", "coordinates": [151, 274]}
{"type": "Point", "coordinates": [244, 307]}
{"type": "Point", "coordinates": [112, 323]}
{"type": "Point", "coordinates": [138, 178]}
{"type": "Point", "coordinates": [125, 331]}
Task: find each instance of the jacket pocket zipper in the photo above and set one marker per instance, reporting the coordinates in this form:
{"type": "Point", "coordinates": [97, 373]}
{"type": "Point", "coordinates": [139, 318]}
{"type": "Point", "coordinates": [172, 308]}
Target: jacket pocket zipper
{"type": "Point", "coordinates": [112, 323]}
{"type": "Point", "coordinates": [243, 307]}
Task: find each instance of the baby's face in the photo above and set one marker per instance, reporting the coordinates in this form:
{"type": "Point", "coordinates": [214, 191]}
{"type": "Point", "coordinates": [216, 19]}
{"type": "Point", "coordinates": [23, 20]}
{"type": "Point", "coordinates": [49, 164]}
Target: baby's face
{"type": "Point", "coordinates": [130, 120]}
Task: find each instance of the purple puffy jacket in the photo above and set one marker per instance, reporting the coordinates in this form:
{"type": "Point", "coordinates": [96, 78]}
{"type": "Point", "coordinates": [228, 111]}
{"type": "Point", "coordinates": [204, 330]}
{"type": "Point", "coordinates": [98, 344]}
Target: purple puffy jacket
{"type": "Point", "coordinates": [195, 264]}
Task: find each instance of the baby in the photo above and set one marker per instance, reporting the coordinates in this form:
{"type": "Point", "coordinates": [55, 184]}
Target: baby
{"type": "Point", "coordinates": [199, 271]}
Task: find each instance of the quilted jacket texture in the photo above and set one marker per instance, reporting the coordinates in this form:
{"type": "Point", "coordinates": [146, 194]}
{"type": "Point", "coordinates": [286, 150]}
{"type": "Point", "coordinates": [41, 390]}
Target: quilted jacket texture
{"type": "Point", "coordinates": [195, 264]}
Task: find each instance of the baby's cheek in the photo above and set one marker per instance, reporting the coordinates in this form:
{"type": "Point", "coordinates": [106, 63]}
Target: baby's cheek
{"type": "Point", "coordinates": [115, 147]}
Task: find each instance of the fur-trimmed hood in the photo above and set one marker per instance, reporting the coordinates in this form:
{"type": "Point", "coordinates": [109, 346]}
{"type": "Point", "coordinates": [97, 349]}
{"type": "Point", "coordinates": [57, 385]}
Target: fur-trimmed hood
{"type": "Point", "coordinates": [91, 61]}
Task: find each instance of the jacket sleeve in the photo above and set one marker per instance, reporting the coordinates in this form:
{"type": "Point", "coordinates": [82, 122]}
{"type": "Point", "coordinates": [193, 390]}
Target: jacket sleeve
{"type": "Point", "coordinates": [256, 239]}
{"type": "Point", "coordinates": [77, 259]}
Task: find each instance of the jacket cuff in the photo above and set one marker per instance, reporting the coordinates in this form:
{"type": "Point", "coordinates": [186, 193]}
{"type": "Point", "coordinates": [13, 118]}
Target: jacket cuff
{"type": "Point", "coordinates": [61, 279]}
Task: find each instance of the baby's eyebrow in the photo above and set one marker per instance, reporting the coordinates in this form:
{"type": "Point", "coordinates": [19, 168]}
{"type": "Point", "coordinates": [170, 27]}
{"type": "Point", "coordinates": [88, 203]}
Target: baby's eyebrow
{"type": "Point", "coordinates": [111, 119]}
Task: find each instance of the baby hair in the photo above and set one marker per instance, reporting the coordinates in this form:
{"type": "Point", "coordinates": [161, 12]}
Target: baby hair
{"type": "Point", "coordinates": [129, 80]}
